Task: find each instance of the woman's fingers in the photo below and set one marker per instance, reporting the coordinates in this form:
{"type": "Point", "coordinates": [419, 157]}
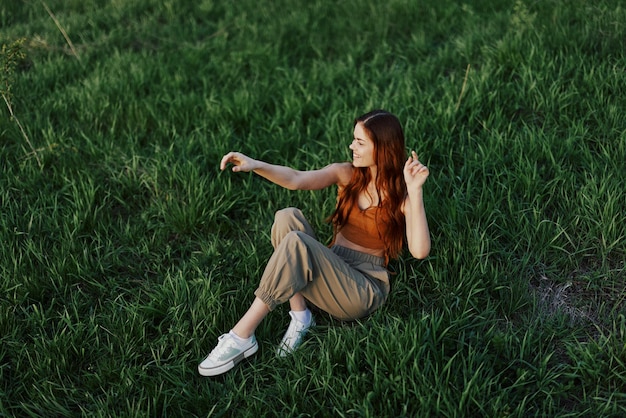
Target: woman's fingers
{"type": "Point", "coordinates": [413, 167]}
{"type": "Point", "coordinates": [225, 160]}
{"type": "Point", "coordinates": [239, 161]}
{"type": "Point", "coordinates": [234, 158]}
{"type": "Point", "coordinates": [412, 162]}
{"type": "Point", "coordinates": [412, 159]}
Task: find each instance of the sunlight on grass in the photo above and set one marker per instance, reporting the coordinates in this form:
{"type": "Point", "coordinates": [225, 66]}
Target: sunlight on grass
{"type": "Point", "coordinates": [126, 252]}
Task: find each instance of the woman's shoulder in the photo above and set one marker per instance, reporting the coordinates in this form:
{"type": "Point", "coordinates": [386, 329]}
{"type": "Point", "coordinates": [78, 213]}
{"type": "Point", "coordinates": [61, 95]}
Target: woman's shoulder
{"type": "Point", "coordinates": [343, 171]}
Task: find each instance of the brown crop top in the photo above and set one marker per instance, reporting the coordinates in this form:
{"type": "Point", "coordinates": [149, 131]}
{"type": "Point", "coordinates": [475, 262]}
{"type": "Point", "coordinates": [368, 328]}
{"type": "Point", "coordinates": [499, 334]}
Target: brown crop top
{"type": "Point", "coordinates": [365, 228]}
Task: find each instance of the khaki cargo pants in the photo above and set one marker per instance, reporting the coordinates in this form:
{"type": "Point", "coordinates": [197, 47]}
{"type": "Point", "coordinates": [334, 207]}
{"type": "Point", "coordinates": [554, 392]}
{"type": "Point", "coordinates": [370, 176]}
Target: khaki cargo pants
{"type": "Point", "coordinates": [345, 283]}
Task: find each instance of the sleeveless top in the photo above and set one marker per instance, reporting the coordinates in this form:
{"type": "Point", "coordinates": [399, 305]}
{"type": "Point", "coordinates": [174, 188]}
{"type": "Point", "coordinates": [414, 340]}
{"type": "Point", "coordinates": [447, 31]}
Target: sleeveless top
{"type": "Point", "coordinates": [365, 228]}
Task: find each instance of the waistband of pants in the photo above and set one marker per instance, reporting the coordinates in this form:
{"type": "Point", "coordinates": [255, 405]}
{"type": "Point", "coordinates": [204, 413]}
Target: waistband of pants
{"type": "Point", "coordinates": [358, 255]}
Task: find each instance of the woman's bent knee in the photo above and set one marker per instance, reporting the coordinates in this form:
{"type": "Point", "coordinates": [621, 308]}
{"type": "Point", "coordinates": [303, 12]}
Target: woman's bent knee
{"type": "Point", "coordinates": [286, 213]}
{"type": "Point", "coordinates": [287, 220]}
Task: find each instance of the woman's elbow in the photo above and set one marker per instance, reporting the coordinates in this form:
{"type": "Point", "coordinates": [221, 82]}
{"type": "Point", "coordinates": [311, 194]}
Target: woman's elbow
{"type": "Point", "coordinates": [295, 182]}
{"type": "Point", "coordinates": [421, 252]}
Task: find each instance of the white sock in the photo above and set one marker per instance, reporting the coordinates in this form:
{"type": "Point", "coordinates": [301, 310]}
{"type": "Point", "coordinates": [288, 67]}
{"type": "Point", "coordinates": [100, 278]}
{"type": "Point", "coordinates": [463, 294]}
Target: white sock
{"type": "Point", "coordinates": [303, 316]}
{"type": "Point", "coordinates": [240, 341]}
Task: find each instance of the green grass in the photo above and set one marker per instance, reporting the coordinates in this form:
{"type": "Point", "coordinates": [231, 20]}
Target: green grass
{"type": "Point", "coordinates": [126, 253]}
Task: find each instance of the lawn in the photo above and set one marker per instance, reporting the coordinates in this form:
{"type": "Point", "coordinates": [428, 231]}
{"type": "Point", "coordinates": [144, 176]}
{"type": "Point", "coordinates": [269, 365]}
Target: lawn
{"type": "Point", "coordinates": [126, 252]}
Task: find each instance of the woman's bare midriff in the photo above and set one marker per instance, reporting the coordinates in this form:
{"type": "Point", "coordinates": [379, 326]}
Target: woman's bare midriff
{"type": "Point", "coordinates": [344, 242]}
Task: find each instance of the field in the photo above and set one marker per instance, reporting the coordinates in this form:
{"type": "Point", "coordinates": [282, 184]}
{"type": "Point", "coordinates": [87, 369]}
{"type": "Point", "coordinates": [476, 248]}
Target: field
{"type": "Point", "coordinates": [125, 252]}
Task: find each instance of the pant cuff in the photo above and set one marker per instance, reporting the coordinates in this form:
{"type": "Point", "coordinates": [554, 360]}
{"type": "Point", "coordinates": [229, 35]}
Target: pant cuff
{"type": "Point", "coordinates": [266, 298]}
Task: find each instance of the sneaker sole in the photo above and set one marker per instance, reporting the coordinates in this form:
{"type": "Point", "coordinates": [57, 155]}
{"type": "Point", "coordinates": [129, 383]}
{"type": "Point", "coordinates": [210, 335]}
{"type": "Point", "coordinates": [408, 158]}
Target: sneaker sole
{"type": "Point", "coordinates": [216, 371]}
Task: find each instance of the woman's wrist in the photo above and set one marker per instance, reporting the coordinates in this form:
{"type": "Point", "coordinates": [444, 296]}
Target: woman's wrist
{"type": "Point", "coordinates": [416, 192]}
{"type": "Point", "coordinates": [256, 165]}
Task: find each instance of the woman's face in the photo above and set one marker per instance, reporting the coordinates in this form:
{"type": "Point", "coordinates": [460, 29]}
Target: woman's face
{"type": "Point", "coordinates": [362, 148]}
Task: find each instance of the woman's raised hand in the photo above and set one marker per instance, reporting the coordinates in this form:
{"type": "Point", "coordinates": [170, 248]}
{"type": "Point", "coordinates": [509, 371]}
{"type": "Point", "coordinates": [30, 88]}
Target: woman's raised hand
{"type": "Point", "coordinates": [415, 173]}
{"type": "Point", "coordinates": [239, 161]}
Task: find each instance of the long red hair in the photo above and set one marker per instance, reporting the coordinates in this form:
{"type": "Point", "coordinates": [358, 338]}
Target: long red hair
{"type": "Point", "coordinates": [385, 130]}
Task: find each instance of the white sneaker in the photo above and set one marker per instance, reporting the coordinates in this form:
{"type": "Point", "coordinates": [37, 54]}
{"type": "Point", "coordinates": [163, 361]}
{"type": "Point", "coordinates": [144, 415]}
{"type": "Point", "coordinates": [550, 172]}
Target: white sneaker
{"type": "Point", "coordinates": [226, 355]}
{"type": "Point", "coordinates": [294, 335]}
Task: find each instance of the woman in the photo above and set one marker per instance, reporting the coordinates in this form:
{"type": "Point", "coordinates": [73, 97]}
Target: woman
{"type": "Point", "coordinates": [379, 204]}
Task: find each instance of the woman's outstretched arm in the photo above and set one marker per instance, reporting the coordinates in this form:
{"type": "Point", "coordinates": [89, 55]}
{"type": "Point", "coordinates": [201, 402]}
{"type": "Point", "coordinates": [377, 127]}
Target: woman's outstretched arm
{"type": "Point", "coordinates": [287, 177]}
{"type": "Point", "coordinates": [417, 233]}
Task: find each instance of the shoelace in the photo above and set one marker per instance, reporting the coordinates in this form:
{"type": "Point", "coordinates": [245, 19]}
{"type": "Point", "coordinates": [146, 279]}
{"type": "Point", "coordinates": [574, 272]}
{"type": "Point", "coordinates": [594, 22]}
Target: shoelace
{"type": "Point", "coordinates": [221, 347]}
{"type": "Point", "coordinates": [294, 333]}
